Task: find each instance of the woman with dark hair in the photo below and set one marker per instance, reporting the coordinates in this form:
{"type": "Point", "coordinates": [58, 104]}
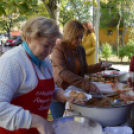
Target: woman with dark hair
{"type": "Point", "coordinates": [89, 42]}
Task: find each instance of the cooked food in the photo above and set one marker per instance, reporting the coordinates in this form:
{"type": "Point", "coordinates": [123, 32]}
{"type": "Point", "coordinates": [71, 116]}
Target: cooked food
{"type": "Point", "coordinates": [104, 79]}
{"type": "Point", "coordinates": [95, 79]}
{"type": "Point", "coordinates": [92, 100]}
{"type": "Point", "coordinates": [73, 93]}
{"type": "Point", "coordinates": [115, 79]}
{"type": "Point", "coordinates": [109, 79]}
{"type": "Point", "coordinates": [80, 95]}
{"type": "Point", "coordinates": [87, 77]}
{"type": "Point", "coordinates": [92, 78]}
{"type": "Point", "coordinates": [102, 102]}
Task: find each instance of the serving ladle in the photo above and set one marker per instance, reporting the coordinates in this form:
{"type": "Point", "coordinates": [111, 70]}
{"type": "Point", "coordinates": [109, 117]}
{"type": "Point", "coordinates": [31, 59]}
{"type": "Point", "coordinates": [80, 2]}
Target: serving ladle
{"type": "Point", "coordinates": [114, 103]}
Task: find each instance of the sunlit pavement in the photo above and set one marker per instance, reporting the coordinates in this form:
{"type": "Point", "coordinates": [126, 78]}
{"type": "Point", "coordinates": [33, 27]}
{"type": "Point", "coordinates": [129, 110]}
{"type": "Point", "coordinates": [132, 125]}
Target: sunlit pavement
{"type": "Point", "coordinates": [3, 48]}
{"type": "Point", "coordinates": [121, 67]}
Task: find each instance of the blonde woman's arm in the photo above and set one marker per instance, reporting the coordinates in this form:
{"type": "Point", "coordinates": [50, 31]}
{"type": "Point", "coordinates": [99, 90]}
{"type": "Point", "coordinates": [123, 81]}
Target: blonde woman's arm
{"type": "Point", "coordinates": [60, 65]}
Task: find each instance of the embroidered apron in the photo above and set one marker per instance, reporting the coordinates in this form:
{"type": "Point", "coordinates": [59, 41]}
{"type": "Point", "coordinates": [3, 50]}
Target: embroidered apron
{"type": "Point", "coordinates": [36, 101]}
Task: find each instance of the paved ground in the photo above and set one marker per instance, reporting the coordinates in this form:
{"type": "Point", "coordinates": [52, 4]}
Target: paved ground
{"type": "Point", "coordinates": [121, 67]}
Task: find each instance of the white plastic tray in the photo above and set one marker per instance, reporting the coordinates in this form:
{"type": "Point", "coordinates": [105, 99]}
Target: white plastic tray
{"type": "Point", "coordinates": [107, 73]}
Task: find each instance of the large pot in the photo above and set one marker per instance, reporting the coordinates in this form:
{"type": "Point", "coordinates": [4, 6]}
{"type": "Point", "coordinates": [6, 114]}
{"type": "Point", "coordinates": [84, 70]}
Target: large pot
{"type": "Point", "coordinates": [106, 116]}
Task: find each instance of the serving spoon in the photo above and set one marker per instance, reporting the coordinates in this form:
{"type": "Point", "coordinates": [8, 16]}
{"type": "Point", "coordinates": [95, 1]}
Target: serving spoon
{"type": "Point", "coordinates": [114, 103]}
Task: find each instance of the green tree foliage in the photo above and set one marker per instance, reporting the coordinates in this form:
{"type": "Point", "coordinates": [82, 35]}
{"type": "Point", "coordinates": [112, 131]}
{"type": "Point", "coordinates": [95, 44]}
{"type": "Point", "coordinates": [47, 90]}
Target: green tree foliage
{"type": "Point", "coordinates": [39, 11]}
{"type": "Point", "coordinates": [20, 6]}
{"type": "Point", "coordinates": [7, 23]}
{"type": "Point", "coordinates": [109, 14]}
{"type": "Point", "coordinates": [9, 17]}
{"type": "Point", "coordinates": [81, 9]}
{"type": "Point", "coordinates": [27, 7]}
{"type": "Point", "coordinates": [131, 33]}
{"type": "Point", "coordinates": [69, 9]}
{"type": "Point", "coordinates": [115, 10]}
{"type": "Point", "coordinates": [13, 17]}
{"type": "Point", "coordinates": [117, 13]}
{"type": "Point", "coordinates": [106, 51]}
{"type": "Point", "coordinates": [66, 13]}
{"type": "Point", "coordinates": [130, 48]}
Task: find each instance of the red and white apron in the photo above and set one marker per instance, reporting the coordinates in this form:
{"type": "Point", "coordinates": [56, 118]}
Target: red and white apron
{"type": "Point", "coordinates": [36, 101]}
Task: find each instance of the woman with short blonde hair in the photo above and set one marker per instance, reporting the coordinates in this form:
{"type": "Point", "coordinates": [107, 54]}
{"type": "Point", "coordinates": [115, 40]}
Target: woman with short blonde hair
{"type": "Point", "coordinates": [26, 80]}
{"type": "Point", "coordinates": [40, 27]}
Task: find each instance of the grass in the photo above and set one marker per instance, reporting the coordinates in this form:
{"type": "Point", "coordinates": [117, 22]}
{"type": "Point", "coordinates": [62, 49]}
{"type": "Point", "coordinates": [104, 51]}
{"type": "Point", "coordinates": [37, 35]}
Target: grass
{"type": "Point", "coordinates": [49, 116]}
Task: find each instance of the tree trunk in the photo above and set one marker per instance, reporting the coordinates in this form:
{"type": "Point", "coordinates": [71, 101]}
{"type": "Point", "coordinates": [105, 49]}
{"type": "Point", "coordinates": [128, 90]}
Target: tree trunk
{"type": "Point", "coordinates": [8, 34]}
{"type": "Point", "coordinates": [77, 12]}
{"type": "Point", "coordinates": [53, 9]}
{"type": "Point", "coordinates": [117, 40]}
{"type": "Point", "coordinates": [122, 37]}
{"type": "Point", "coordinates": [121, 60]}
{"type": "Point", "coordinates": [117, 37]}
{"type": "Point", "coordinates": [106, 59]}
{"type": "Point", "coordinates": [93, 15]}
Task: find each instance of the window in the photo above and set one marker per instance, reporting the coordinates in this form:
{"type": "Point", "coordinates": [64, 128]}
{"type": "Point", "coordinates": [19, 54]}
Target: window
{"type": "Point", "coordinates": [120, 32]}
{"type": "Point", "coordinates": [109, 32]}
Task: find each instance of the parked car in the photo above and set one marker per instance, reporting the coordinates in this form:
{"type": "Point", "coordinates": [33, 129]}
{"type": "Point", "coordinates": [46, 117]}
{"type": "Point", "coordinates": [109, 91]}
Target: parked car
{"type": "Point", "coordinates": [11, 42]}
{"type": "Point", "coordinates": [18, 41]}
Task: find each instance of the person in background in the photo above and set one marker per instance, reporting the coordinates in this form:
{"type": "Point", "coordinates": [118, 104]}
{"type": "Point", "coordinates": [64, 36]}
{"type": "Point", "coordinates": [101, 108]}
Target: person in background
{"type": "Point", "coordinates": [130, 82]}
{"type": "Point", "coordinates": [26, 80]}
{"type": "Point", "coordinates": [89, 42]}
{"type": "Point", "coordinates": [18, 41]}
{"type": "Point", "coordinates": [70, 65]}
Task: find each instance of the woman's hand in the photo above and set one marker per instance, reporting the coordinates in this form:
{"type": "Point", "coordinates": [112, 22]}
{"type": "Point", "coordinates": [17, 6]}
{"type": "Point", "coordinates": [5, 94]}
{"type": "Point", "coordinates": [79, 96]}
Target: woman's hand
{"type": "Point", "coordinates": [74, 100]}
{"type": "Point", "coordinates": [41, 124]}
{"type": "Point", "coordinates": [126, 97]}
{"type": "Point", "coordinates": [94, 88]}
{"type": "Point", "coordinates": [85, 29]}
{"type": "Point", "coordinates": [105, 65]}
{"type": "Point", "coordinates": [129, 82]}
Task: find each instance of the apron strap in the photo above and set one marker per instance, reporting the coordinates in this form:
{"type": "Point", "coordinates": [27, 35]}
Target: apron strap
{"type": "Point", "coordinates": [35, 69]}
{"type": "Point", "coordinates": [49, 72]}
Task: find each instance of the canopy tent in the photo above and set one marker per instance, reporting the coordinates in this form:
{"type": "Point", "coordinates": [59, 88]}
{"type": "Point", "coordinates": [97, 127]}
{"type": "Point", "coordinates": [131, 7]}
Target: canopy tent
{"type": "Point", "coordinates": [97, 31]}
